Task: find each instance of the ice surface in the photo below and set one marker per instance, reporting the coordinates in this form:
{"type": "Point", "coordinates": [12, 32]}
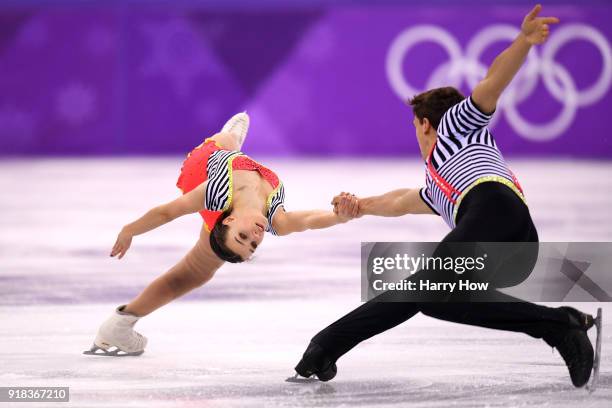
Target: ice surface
{"type": "Point", "coordinates": [233, 342]}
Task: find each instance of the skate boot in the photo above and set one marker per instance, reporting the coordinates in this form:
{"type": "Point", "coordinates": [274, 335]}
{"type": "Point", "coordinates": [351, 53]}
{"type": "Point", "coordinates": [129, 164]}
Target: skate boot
{"type": "Point", "coordinates": [237, 125]}
{"type": "Point", "coordinates": [117, 337]}
{"type": "Point", "coordinates": [573, 343]}
{"type": "Point", "coordinates": [314, 363]}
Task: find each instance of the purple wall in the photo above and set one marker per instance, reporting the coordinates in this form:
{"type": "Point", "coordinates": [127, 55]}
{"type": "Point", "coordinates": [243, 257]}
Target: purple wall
{"type": "Point", "coordinates": [320, 81]}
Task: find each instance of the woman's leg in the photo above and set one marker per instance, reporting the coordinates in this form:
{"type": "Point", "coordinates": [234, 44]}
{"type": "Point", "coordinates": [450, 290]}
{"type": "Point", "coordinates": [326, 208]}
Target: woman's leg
{"type": "Point", "coordinates": [234, 132]}
{"type": "Point", "coordinates": [194, 270]}
{"type": "Point", "coordinates": [238, 127]}
{"type": "Point", "coordinates": [227, 141]}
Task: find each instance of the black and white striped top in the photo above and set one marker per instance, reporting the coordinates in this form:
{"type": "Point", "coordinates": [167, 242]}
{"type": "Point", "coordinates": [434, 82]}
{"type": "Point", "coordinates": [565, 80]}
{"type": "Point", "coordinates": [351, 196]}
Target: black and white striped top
{"type": "Point", "coordinates": [464, 155]}
{"type": "Point", "coordinates": [220, 183]}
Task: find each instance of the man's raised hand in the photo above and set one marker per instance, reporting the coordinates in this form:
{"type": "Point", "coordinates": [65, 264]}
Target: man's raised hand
{"type": "Point", "coordinates": [536, 29]}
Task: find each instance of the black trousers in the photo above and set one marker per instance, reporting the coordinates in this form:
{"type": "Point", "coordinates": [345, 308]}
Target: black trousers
{"type": "Point", "coordinates": [490, 212]}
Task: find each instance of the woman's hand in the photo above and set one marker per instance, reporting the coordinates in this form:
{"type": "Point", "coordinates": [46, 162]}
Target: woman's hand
{"type": "Point", "coordinates": [536, 29]}
{"type": "Point", "coordinates": [346, 206]}
{"type": "Point", "coordinates": [124, 240]}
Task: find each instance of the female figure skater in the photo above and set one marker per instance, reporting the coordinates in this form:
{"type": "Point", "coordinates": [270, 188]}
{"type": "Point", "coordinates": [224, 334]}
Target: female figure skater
{"type": "Point", "coordinates": [469, 184]}
{"type": "Point", "coordinates": [239, 200]}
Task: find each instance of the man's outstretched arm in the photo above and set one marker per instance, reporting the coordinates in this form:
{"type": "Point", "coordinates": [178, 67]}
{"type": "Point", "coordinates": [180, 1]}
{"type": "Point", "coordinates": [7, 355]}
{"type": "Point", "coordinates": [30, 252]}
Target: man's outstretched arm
{"type": "Point", "coordinates": [534, 30]}
{"type": "Point", "coordinates": [394, 204]}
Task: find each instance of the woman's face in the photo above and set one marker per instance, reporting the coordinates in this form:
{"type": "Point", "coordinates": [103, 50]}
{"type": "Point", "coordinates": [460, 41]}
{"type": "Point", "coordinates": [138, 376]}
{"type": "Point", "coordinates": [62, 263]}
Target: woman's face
{"type": "Point", "coordinates": [245, 233]}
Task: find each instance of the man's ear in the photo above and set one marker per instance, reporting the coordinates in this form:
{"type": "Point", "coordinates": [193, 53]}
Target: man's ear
{"type": "Point", "coordinates": [426, 126]}
{"type": "Point", "coordinates": [228, 220]}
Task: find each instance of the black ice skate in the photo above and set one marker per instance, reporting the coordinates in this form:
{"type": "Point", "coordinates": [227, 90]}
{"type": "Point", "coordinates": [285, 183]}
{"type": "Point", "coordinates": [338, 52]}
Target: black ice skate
{"type": "Point", "coordinates": [575, 347]}
{"type": "Point", "coordinates": [596, 362]}
{"type": "Point", "coordinates": [314, 365]}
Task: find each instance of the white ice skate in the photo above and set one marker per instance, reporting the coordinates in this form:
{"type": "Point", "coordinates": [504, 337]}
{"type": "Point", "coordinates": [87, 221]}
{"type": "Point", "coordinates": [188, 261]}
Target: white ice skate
{"type": "Point", "coordinates": [237, 125]}
{"type": "Point", "coordinates": [117, 337]}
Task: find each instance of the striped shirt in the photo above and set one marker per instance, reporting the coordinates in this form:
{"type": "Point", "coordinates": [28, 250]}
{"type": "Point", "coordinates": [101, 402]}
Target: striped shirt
{"type": "Point", "coordinates": [220, 183]}
{"type": "Point", "coordinates": [464, 155]}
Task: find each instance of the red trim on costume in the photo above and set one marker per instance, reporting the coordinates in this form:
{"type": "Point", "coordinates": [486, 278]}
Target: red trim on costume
{"type": "Point", "coordinates": [446, 187]}
{"type": "Point", "coordinates": [515, 181]}
{"type": "Point", "coordinates": [210, 218]}
{"type": "Point", "coordinates": [246, 163]}
{"type": "Point", "coordinates": [442, 184]}
{"type": "Point", "coordinates": [193, 173]}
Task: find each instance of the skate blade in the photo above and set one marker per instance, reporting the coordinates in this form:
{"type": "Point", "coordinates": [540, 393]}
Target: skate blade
{"type": "Point", "coordinates": [302, 380]}
{"type": "Point", "coordinates": [115, 352]}
{"type": "Point", "coordinates": [596, 361]}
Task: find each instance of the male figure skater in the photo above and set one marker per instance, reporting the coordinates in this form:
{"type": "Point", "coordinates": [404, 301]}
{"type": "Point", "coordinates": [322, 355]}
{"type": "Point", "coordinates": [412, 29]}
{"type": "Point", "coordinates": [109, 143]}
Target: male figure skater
{"type": "Point", "coordinates": [469, 184]}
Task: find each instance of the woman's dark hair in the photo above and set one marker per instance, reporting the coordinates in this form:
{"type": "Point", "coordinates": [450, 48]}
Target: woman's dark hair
{"type": "Point", "coordinates": [217, 239]}
{"type": "Point", "coordinates": [434, 103]}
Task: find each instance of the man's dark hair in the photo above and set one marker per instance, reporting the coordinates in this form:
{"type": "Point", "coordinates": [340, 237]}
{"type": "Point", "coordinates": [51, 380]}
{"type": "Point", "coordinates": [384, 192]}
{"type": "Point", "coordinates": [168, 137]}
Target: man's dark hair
{"type": "Point", "coordinates": [434, 103]}
{"type": "Point", "coordinates": [217, 239]}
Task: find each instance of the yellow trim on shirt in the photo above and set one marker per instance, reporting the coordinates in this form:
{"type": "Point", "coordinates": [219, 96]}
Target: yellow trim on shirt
{"type": "Point", "coordinates": [230, 172]}
{"type": "Point", "coordinates": [271, 195]}
{"type": "Point", "coordinates": [231, 185]}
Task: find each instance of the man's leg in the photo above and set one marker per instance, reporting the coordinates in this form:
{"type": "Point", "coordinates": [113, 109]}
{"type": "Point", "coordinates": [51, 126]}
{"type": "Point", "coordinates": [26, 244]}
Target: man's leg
{"type": "Point", "coordinates": [338, 338]}
{"type": "Point", "coordinates": [375, 316]}
{"type": "Point", "coordinates": [537, 321]}
{"type": "Point", "coordinates": [362, 323]}
{"type": "Point", "coordinates": [563, 328]}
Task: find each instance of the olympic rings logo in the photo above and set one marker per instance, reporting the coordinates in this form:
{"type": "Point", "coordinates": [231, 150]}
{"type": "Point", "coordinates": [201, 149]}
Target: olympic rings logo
{"type": "Point", "coordinates": [556, 78]}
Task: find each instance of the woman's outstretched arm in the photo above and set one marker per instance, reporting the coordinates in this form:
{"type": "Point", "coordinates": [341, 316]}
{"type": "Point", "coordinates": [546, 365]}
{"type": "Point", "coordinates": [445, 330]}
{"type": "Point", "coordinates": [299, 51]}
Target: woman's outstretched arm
{"type": "Point", "coordinates": [297, 221]}
{"type": "Point", "coordinates": [186, 204]}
